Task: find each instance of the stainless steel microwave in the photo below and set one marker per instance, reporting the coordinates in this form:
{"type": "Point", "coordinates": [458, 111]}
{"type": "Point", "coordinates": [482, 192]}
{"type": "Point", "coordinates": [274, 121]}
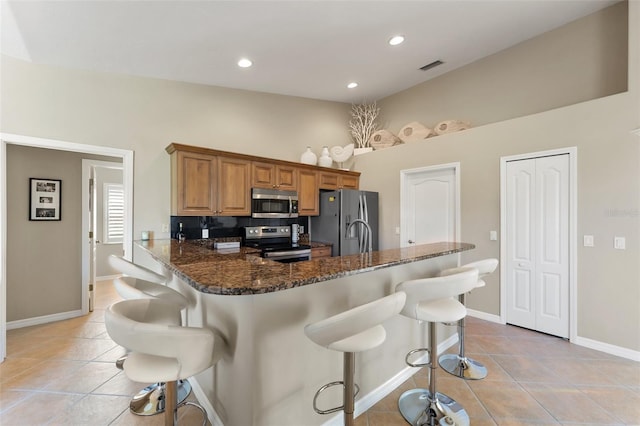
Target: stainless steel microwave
{"type": "Point", "coordinates": [273, 203]}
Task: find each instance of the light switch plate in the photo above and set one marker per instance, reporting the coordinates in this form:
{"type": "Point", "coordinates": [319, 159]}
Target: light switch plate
{"type": "Point", "coordinates": [493, 235]}
{"type": "Point", "coordinates": [619, 243]}
{"type": "Point", "coordinates": [588, 240]}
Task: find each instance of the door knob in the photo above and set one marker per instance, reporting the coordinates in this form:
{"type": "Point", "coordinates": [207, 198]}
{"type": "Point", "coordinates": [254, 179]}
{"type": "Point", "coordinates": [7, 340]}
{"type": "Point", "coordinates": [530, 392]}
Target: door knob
{"type": "Point", "coordinates": [411, 242]}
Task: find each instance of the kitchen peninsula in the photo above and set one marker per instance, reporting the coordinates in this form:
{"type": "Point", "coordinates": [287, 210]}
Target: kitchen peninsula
{"type": "Point", "coordinates": [270, 370]}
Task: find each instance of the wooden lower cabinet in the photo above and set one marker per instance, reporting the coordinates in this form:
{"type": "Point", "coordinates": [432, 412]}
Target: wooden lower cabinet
{"type": "Point", "coordinates": [320, 252]}
{"type": "Point", "coordinates": [308, 193]}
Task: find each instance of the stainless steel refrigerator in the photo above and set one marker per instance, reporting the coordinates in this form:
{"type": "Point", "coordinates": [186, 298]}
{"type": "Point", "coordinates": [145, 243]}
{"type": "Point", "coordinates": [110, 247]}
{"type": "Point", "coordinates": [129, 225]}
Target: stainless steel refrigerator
{"type": "Point", "coordinates": [337, 210]}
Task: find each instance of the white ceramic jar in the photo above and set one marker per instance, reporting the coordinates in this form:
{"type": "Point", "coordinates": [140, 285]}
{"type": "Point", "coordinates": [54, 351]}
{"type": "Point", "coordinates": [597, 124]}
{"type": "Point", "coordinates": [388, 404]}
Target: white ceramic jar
{"type": "Point", "coordinates": [308, 157]}
{"type": "Point", "coordinates": [325, 159]}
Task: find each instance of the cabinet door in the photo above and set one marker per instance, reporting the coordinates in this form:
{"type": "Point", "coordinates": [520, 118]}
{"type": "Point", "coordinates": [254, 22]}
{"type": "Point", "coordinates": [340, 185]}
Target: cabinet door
{"type": "Point", "coordinates": [263, 175]}
{"type": "Point", "coordinates": [328, 180]}
{"type": "Point", "coordinates": [234, 195]}
{"type": "Point", "coordinates": [333, 181]}
{"type": "Point", "coordinates": [308, 193]}
{"type": "Point", "coordinates": [348, 182]}
{"type": "Point", "coordinates": [194, 184]}
{"type": "Point", "coordinates": [287, 178]}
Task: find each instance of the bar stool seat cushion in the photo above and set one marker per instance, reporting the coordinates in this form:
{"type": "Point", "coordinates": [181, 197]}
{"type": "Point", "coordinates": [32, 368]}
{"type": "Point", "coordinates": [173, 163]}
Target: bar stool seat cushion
{"type": "Point", "coordinates": [358, 329]}
{"type": "Point", "coordinates": [160, 352]}
{"type": "Point", "coordinates": [443, 310]}
{"type": "Point", "coordinates": [135, 288]}
{"type": "Point", "coordinates": [134, 270]}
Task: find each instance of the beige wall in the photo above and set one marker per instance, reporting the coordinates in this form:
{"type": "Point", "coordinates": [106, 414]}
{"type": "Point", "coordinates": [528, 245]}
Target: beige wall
{"type": "Point", "coordinates": [608, 180]}
{"type": "Point", "coordinates": [43, 258]}
{"type": "Point", "coordinates": [145, 115]}
{"type": "Point", "coordinates": [583, 60]}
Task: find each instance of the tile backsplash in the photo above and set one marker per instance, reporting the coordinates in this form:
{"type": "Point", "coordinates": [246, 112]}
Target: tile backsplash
{"type": "Point", "coordinates": [224, 226]}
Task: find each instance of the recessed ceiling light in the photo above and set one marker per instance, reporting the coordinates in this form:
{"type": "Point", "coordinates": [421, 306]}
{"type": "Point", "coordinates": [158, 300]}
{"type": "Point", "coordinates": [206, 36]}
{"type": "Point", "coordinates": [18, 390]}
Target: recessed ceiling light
{"type": "Point", "coordinates": [396, 40]}
{"type": "Point", "coordinates": [352, 85]}
{"type": "Point", "coordinates": [244, 63]}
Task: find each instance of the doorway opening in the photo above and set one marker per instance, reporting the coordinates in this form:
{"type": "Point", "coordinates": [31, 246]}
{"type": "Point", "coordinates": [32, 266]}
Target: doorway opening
{"type": "Point", "coordinates": [127, 168]}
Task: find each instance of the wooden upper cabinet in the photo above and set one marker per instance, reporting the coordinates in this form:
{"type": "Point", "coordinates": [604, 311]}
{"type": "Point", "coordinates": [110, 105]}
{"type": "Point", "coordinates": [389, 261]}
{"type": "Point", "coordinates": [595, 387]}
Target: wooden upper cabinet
{"type": "Point", "coordinates": [333, 180]}
{"type": "Point", "coordinates": [234, 190]}
{"type": "Point", "coordinates": [308, 193]}
{"type": "Point", "coordinates": [208, 182]}
{"type": "Point", "coordinates": [274, 176]}
{"type": "Point", "coordinates": [209, 185]}
{"type": "Point", "coordinates": [193, 177]}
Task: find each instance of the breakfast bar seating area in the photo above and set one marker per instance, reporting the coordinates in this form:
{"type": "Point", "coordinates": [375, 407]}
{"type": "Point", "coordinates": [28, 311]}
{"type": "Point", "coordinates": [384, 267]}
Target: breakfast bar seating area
{"type": "Point", "coordinates": [271, 370]}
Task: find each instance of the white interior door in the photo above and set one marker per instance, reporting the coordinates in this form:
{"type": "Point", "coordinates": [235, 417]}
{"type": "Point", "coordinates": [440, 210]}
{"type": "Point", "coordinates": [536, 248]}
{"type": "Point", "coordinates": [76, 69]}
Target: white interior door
{"type": "Point", "coordinates": [430, 205]}
{"type": "Point", "coordinates": [537, 238]}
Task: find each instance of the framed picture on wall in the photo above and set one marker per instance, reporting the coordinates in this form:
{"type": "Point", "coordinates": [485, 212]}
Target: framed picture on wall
{"type": "Point", "coordinates": [45, 199]}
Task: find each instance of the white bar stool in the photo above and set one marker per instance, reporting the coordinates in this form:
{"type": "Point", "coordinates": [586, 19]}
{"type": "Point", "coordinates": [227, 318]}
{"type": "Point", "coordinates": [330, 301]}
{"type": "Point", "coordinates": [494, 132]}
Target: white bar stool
{"type": "Point", "coordinates": [458, 364]}
{"type": "Point", "coordinates": [142, 283]}
{"type": "Point", "coordinates": [160, 350]}
{"type": "Point", "coordinates": [356, 330]}
{"type": "Point", "coordinates": [433, 300]}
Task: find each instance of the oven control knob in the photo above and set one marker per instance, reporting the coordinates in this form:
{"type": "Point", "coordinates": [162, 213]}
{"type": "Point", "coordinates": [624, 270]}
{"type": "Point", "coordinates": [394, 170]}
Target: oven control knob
{"type": "Point", "coordinates": [285, 229]}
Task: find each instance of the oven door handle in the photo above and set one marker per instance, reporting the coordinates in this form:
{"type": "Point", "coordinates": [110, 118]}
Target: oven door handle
{"type": "Point", "coordinates": [289, 254]}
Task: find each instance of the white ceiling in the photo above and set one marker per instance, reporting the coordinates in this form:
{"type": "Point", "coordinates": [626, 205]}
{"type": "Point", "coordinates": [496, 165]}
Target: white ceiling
{"type": "Point", "coordinates": [302, 48]}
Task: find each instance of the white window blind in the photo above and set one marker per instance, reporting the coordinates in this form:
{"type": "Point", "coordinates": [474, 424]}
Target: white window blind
{"type": "Point", "coordinates": [113, 225]}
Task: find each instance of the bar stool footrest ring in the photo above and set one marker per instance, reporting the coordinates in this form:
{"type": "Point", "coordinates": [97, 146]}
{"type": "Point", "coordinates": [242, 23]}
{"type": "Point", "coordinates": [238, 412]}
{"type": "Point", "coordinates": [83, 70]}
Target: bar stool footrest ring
{"type": "Point", "coordinates": [414, 364]}
{"type": "Point", "coordinates": [325, 387]}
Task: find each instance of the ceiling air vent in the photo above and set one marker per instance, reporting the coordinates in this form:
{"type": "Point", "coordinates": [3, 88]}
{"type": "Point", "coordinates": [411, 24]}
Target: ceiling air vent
{"type": "Point", "coordinates": [431, 65]}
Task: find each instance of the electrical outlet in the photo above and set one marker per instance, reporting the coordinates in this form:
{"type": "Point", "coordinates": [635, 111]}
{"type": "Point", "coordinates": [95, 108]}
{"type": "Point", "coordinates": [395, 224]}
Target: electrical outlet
{"type": "Point", "coordinates": [619, 243]}
{"type": "Point", "coordinates": [493, 235]}
{"type": "Point", "coordinates": [397, 230]}
{"type": "Point", "coordinates": [205, 233]}
{"type": "Point", "coordinates": [165, 227]}
{"type": "Point", "coordinates": [587, 240]}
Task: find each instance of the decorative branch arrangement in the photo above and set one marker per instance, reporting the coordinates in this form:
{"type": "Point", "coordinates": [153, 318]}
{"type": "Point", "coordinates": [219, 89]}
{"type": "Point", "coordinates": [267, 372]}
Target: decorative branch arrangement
{"type": "Point", "coordinates": [363, 123]}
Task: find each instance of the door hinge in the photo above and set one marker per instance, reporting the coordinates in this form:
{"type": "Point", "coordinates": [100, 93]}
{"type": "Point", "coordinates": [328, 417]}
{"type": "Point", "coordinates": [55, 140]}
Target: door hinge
{"type": "Point", "coordinates": [90, 234]}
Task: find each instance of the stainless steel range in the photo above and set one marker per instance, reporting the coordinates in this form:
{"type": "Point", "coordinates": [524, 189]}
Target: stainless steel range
{"type": "Point", "coordinates": [275, 243]}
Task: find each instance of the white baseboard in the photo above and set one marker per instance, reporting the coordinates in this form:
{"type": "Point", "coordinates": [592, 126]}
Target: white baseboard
{"type": "Point", "coordinates": [379, 393]}
{"type": "Point", "coordinates": [484, 316]}
{"type": "Point", "coordinates": [108, 277]}
{"type": "Point", "coordinates": [28, 322]}
{"type": "Point", "coordinates": [607, 348]}
{"type": "Point", "coordinates": [214, 418]}
{"type": "Point", "coordinates": [580, 341]}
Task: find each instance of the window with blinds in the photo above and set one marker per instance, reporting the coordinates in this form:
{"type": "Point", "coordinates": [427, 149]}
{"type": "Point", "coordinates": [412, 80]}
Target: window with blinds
{"type": "Point", "coordinates": [113, 226]}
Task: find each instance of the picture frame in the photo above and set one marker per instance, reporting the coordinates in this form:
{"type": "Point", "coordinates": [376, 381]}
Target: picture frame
{"type": "Point", "coordinates": [45, 200]}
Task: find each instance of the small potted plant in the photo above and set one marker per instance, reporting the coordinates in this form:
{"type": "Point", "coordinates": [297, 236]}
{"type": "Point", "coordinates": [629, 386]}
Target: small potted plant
{"type": "Point", "coordinates": [363, 125]}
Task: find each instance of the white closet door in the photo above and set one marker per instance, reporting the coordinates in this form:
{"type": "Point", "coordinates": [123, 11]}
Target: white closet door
{"type": "Point", "coordinates": [520, 243]}
{"type": "Point", "coordinates": [538, 244]}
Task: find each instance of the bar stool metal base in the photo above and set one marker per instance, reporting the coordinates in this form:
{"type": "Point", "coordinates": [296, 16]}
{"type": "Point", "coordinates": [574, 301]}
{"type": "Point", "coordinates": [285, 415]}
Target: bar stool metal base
{"type": "Point", "coordinates": [151, 400]}
{"type": "Point", "coordinates": [414, 407]}
{"type": "Point", "coordinates": [463, 367]}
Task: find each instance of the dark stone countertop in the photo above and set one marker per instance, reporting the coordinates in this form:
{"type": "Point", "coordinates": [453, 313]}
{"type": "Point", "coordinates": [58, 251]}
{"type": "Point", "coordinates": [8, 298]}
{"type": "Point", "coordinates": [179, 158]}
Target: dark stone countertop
{"type": "Point", "coordinates": [242, 271]}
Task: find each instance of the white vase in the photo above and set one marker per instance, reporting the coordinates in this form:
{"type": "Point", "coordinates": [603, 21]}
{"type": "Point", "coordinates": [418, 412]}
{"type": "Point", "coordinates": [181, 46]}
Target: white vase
{"type": "Point", "coordinates": [325, 159]}
{"type": "Point", "coordinates": [358, 151]}
{"type": "Point", "coordinates": [308, 157]}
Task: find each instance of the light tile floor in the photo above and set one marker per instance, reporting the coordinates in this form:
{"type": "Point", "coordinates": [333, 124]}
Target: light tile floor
{"type": "Point", "coordinates": [64, 374]}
